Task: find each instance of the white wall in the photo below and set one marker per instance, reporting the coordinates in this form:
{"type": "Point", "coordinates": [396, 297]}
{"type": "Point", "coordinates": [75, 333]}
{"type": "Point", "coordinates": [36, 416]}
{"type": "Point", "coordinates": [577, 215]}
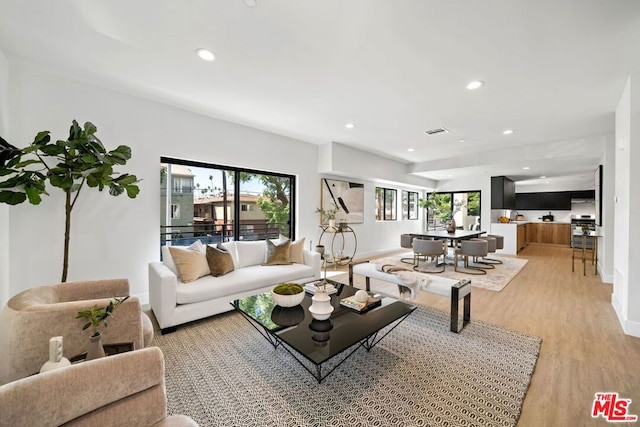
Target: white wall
{"type": "Point", "coordinates": [606, 245]}
{"type": "Point", "coordinates": [626, 288]}
{"type": "Point", "coordinates": [117, 236]}
{"type": "Point", "coordinates": [4, 209]}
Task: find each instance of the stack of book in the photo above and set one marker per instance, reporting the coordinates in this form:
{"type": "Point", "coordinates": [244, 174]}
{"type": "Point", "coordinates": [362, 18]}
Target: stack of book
{"type": "Point", "coordinates": [314, 286]}
{"type": "Point", "coordinates": [360, 307]}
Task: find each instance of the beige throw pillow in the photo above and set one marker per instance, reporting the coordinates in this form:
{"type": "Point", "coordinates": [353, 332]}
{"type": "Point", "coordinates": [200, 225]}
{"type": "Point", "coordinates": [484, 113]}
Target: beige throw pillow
{"type": "Point", "coordinates": [296, 254]}
{"type": "Point", "coordinates": [219, 260]}
{"type": "Point", "coordinates": [191, 265]}
{"type": "Point", "coordinates": [297, 251]}
{"type": "Point", "coordinates": [277, 253]}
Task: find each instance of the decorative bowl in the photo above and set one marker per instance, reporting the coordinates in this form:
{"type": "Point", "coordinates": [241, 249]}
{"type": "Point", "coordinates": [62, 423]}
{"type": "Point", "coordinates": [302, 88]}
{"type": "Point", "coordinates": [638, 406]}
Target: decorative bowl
{"type": "Point", "coordinates": [288, 299]}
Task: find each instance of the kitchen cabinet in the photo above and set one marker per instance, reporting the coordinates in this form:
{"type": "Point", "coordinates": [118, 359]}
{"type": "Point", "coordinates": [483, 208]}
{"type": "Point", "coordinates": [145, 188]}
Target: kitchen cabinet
{"type": "Point", "coordinates": [550, 233]}
{"type": "Point", "coordinates": [548, 201]}
{"type": "Point", "coordinates": [503, 193]}
{"type": "Point", "coordinates": [522, 236]}
{"type": "Point", "coordinates": [583, 194]}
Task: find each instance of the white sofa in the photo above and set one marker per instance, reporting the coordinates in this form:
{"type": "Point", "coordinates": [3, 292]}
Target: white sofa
{"type": "Point", "coordinates": [174, 302]}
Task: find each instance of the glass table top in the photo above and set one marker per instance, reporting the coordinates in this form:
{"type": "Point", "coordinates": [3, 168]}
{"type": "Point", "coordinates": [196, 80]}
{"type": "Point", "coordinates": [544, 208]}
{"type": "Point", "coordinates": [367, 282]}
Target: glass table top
{"type": "Point", "coordinates": [317, 340]}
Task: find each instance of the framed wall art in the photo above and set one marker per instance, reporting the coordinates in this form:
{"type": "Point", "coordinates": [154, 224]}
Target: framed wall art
{"type": "Point", "coordinates": [348, 197]}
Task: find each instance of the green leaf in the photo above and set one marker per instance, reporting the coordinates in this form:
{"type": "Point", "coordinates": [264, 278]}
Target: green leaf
{"type": "Point", "coordinates": [132, 191]}
{"type": "Point", "coordinates": [12, 197]}
{"type": "Point", "coordinates": [52, 150]}
{"type": "Point", "coordinates": [34, 195]}
{"type": "Point", "coordinates": [115, 189]}
{"type": "Point", "coordinates": [126, 179]}
{"type": "Point", "coordinates": [4, 172]}
{"type": "Point", "coordinates": [90, 128]}
{"type": "Point", "coordinates": [59, 181]}
{"type": "Point", "coordinates": [42, 138]}
{"type": "Point", "coordinates": [27, 163]}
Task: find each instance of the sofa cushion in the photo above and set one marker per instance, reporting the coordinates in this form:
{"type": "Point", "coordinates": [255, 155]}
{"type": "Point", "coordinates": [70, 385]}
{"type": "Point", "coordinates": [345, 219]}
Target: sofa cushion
{"type": "Point", "coordinates": [296, 253]}
{"type": "Point", "coordinates": [191, 264]}
{"type": "Point", "coordinates": [250, 253]}
{"type": "Point", "coordinates": [277, 253]}
{"type": "Point", "coordinates": [240, 280]}
{"type": "Point", "coordinates": [219, 260]}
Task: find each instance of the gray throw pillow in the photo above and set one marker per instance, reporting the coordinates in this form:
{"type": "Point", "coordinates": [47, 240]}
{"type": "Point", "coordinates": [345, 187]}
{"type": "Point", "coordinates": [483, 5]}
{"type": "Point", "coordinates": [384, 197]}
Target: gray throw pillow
{"type": "Point", "coordinates": [278, 253]}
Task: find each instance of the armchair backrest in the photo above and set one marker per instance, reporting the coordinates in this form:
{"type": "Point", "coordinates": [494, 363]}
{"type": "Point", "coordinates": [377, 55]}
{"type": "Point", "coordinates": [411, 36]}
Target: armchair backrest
{"type": "Point", "coordinates": [33, 316]}
{"type": "Point", "coordinates": [124, 389]}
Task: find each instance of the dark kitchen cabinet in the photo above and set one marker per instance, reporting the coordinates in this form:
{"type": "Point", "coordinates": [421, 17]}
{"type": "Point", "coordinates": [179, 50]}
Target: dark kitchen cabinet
{"type": "Point", "coordinates": [583, 194]}
{"type": "Point", "coordinates": [503, 193]}
{"type": "Point", "coordinates": [548, 201]}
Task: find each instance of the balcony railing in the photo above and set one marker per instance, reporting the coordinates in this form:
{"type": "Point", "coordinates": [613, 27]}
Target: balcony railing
{"type": "Point", "coordinates": [185, 235]}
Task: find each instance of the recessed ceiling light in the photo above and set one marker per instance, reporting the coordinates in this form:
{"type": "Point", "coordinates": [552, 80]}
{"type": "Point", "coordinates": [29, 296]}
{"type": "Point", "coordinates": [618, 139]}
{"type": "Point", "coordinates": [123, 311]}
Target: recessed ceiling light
{"type": "Point", "coordinates": [526, 168]}
{"type": "Point", "coordinates": [409, 149]}
{"type": "Point", "coordinates": [475, 84]}
{"type": "Point", "coordinates": [250, 3]}
{"type": "Point", "coordinates": [507, 132]}
{"type": "Point", "coordinates": [349, 125]}
{"type": "Point", "coordinates": [462, 140]}
{"type": "Point", "coordinates": [205, 54]}
{"type": "Point", "coordinates": [543, 176]}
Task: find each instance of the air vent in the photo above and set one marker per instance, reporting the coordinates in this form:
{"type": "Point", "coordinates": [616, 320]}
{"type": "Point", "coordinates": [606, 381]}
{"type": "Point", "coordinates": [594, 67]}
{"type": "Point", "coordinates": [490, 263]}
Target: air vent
{"type": "Point", "coordinates": [436, 131]}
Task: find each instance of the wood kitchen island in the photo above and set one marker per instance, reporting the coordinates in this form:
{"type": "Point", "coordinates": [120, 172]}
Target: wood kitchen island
{"type": "Point", "coordinates": [519, 234]}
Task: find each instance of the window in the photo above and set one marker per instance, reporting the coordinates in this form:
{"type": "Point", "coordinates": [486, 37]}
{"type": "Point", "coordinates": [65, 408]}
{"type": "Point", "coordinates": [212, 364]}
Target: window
{"type": "Point", "coordinates": [182, 185]}
{"type": "Point", "coordinates": [463, 207]}
{"type": "Point", "coordinates": [386, 201]}
{"type": "Point", "coordinates": [175, 211]}
{"type": "Point", "coordinates": [212, 203]}
{"type": "Point", "coordinates": [409, 205]}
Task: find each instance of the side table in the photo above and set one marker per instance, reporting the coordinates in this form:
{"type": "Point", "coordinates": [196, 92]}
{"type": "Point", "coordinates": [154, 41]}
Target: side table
{"type": "Point", "coordinates": [344, 244]}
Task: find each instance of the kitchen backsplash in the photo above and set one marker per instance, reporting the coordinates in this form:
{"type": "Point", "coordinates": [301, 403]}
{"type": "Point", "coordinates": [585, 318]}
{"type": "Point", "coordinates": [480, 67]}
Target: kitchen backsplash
{"type": "Point", "coordinates": [585, 208]}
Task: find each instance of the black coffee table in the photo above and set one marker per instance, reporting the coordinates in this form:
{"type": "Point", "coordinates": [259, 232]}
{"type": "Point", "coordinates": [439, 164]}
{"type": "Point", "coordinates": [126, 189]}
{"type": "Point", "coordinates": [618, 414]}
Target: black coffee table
{"type": "Point", "coordinates": [320, 341]}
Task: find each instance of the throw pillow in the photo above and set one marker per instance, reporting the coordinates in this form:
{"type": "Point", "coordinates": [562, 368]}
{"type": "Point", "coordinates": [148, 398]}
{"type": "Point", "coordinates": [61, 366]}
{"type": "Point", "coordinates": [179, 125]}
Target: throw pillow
{"type": "Point", "coordinates": [219, 260]}
{"type": "Point", "coordinates": [297, 248]}
{"type": "Point", "coordinates": [277, 254]}
{"type": "Point", "coordinates": [191, 265]}
{"type": "Point", "coordinates": [297, 251]}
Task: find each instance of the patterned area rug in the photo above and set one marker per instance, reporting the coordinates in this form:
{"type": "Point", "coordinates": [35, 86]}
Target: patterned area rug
{"type": "Point", "coordinates": [495, 279]}
{"type": "Point", "coordinates": [221, 372]}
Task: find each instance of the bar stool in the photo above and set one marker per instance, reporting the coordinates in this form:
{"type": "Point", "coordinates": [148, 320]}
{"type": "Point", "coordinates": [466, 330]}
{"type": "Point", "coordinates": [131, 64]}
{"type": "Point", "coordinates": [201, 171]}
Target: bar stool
{"type": "Point", "coordinates": [428, 248]}
{"type": "Point", "coordinates": [474, 248]}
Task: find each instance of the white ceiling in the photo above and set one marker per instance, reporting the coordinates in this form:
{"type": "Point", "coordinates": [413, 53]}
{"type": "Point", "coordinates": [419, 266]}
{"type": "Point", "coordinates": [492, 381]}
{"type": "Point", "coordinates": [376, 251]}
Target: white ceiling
{"type": "Point", "coordinates": [553, 70]}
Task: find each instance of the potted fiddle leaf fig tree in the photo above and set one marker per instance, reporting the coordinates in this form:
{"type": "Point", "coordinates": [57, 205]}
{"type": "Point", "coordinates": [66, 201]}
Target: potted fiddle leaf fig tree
{"type": "Point", "coordinates": [71, 165]}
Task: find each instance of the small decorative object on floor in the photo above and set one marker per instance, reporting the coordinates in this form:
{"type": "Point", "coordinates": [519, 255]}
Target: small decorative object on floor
{"type": "Point", "coordinates": [452, 226]}
{"type": "Point", "coordinates": [98, 316]}
{"type": "Point", "coordinates": [321, 307]}
{"type": "Point", "coordinates": [287, 294]}
{"type": "Point", "coordinates": [55, 356]}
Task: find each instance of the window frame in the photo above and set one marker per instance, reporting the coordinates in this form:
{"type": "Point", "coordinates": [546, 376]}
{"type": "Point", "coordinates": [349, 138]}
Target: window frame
{"type": "Point", "coordinates": [409, 213]}
{"type": "Point", "coordinates": [236, 204]}
{"type": "Point", "coordinates": [381, 204]}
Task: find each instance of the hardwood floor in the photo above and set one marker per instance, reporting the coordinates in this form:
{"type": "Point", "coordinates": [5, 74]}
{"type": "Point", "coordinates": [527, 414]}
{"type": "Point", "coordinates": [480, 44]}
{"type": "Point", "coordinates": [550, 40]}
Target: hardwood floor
{"type": "Point", "coordinates": [584, 350]}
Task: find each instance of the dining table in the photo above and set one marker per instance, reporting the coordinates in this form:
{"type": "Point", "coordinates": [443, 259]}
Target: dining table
{"type": "Point", "coordinates": [453, 237]}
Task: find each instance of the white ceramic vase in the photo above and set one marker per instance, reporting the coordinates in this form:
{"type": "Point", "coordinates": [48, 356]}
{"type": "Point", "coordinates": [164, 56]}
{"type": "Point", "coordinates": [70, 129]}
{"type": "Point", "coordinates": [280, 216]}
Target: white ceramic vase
{"type": "Point", "coordinates": [321, 307]}
{"type": "Point", "coordinates": [332, 223]}
{"type": "Point", "coordinates": [96, 350]}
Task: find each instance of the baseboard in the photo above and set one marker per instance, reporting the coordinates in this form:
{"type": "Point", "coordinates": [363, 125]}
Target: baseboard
{"type": "Point", "coordinates": [629, 327]}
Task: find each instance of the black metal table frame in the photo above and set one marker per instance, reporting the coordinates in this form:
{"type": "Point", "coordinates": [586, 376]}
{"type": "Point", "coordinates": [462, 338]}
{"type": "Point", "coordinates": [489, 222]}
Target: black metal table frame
{"type": "Point", "coordinates": [368, 343]}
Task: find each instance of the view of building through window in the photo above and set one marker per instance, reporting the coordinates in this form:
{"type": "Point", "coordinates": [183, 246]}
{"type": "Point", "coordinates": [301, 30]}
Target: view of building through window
{"type": "Point", "coordinates": [213, 204]}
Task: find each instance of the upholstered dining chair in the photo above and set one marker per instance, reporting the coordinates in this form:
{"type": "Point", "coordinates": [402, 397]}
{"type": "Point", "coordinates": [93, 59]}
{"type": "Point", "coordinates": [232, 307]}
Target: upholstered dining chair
{"type": "Point", "coordinates": [486, 262]}
{"type": "Point", "coordinates": [406, 241]}
{"type": "Point", "coordinates": [425, 249]}
{"type": "Point", "coordinates": [33, 316]}
{"type": "Point", "coordinates": [474, 248]}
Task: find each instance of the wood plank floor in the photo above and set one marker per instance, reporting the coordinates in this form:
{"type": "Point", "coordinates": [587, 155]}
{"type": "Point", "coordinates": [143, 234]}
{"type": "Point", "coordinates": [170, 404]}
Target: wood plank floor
{"type": "Point", "coordinates": [584, 350]}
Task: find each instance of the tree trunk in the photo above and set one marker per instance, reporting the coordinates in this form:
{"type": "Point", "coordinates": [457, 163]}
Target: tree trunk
{"type": "Point", "coordinates": [67, 232]}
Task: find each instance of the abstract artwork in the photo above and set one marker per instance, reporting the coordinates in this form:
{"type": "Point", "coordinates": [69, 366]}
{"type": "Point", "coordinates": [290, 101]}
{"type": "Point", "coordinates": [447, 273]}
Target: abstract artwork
{"type": "Point", "coordinates": [347, 196]}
